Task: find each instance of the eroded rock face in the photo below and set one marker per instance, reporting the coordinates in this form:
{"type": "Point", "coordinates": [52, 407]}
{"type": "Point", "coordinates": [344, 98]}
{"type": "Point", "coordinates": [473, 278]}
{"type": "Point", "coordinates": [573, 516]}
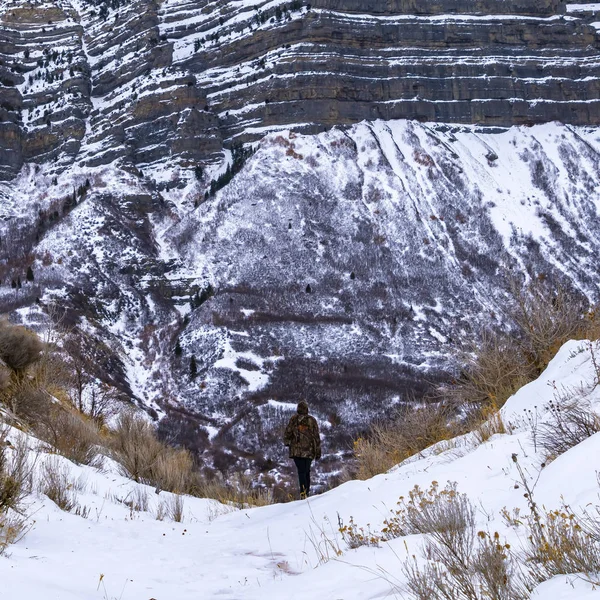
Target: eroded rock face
{"type": "Point", "coordinates": [168, 82]}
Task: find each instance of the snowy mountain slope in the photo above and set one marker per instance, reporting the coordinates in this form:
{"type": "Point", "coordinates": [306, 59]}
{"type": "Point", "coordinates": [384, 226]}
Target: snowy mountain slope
{"type": "Point", "coordinates": [344, 267]}
{"type": "Point", "coordinates": [347, 264]}
{"type": "Point", "coordinates": [280, 551]}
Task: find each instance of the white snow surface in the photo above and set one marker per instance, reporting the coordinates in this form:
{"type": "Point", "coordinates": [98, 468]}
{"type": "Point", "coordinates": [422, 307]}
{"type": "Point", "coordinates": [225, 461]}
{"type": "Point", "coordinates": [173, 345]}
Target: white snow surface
{"type": "Point", "coordinates": [278, 552]}
{"type": "Point", "coordinates": [583, 7]}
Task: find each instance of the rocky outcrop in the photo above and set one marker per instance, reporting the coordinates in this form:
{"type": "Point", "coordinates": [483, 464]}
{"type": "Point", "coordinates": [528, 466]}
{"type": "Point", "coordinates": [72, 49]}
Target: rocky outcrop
{"type": "Point", "coordinates": [324, 68]}
{"type": "Point", "coordinates": [443, 7]}
{"type": "Point", "coordinates": [169, 82]}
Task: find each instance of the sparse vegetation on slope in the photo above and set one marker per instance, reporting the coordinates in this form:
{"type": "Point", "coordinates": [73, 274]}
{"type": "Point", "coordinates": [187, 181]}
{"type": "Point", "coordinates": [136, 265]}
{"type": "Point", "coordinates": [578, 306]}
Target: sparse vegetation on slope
{"type": "Point", "coordinates": [15, 484]}
{"type": "Point", "coordinates": [499, 364]}
{"type": "Point", "coordinates": [412, 430]}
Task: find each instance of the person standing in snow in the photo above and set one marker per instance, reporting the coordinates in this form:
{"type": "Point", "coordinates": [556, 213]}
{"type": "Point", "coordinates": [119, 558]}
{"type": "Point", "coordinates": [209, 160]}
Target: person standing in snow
{"type": "Point", "coordinates": [303, 439]}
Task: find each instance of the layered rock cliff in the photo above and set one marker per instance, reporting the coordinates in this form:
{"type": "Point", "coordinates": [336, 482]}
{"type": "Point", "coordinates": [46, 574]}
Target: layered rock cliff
{"type": "Point", "coordinates": [169, 81]}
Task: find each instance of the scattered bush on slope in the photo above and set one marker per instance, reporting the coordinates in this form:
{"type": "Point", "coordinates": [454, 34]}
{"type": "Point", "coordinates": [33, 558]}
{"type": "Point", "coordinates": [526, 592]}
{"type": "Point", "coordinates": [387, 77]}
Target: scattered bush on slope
{"type": "Point", "coordinates": [413, 430]}
{"type": "Point", "coordinates": [499, 364]}
{"type": "Point", "coordinates": [15, 484]}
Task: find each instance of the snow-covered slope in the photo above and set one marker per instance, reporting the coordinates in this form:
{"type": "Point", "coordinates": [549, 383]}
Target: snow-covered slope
{"type": "Point", "coordinates": [291, 550]}
{"type": "Point", "coordinates": [343, 266]}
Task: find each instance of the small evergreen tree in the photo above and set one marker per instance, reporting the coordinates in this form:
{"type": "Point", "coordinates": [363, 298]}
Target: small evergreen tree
{"type": "Point", "coordinates": [29, 273]}
{"type": "Point", "coordinates": [178, 349]}
{"type": "Point", "coordinates": [193, 368]}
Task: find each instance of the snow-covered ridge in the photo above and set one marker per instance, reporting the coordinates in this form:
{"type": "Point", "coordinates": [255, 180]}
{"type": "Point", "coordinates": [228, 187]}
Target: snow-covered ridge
{"type": "Point", "coordinates": [294, 551]}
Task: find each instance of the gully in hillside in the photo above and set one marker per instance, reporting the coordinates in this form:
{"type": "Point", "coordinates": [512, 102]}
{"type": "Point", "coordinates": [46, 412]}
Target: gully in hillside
{"type": "Point", "coordinates": [302, 438]}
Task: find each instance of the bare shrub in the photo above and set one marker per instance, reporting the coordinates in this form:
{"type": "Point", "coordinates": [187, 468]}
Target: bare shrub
{"type": "Point", "coordinates": [50, 373]}
{"type": "Point", "coordinates": [56, 483]}
{"type": "Point", "coordinates": [439, 512]}
{"type": "Point", "coordinates": [88, 358]}
{"type": "Point", "coordinates": [135, 447]}
{"type": "Point", "coordinates": [462, 565]}
{"type": "Point", "coordinates": [572, 420]}
{"type": "Point", "coordinates": [499, 364]}
{"type": "Point", "coordinates": [558, 542]}
{"type": "Point", "coordinates": [19, 347]}
{"type": "Point", "coordinates": [147, 460]}
{"type": "Point", "coordinates": [101, 402]}
{"type": "Point", "coordinates": [489, 572]}
{"type": "Point", "coordinates": [175, 508]}
{"type": "Point", "coordinates": [15, 473]}
{"type": "Point", "coordinates": [497, 570]}
{"type": "Point", "coordinates": [565, 544]}
{"type": "Point", "coordinates": [36, 374]}
{"type": "Point", "coordinates": [26, 400]}
{"type": "Point", "coordinates": [565, 547]}
{"type": "Point", "coordinates": [13, 526]}
{"type": "Point", "coordinates": [493, 370]}
{"type": "Point", "coordinates": [548, 316]}
{"type": "Point", "coordinates": [415, 429]}
{"type": "Point", "coordinates": [72, 435]}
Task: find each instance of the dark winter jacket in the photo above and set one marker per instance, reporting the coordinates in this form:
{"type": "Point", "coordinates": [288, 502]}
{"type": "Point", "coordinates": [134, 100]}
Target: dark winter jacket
{"type": "Point", "coordinates": [302, 436]}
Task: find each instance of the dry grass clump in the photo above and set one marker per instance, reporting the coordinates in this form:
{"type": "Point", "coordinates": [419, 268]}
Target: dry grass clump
{"type": "Point", "coordinates": [486, 422]}
{"type": "Point", "coordinates": [171, 508]}
{"type": "Point", "coordinates": [175, 508]}
{"type": "Point", "coordinates": [415, 429]}
{"type": "Point", "coordinates": [145, 459]}
{"type": "Point", "coordinates": [238, 491]}
{"type": "Point", "coordinates": [572, 420]}
{"type": "Point", "coordinates": [56, 483]}
{"type": "Point", "coordinates": [15, 483]}
{"type": "Point", "coordinates": [138, 499]}
{"type": "Point", "coordinates": [499, 364]}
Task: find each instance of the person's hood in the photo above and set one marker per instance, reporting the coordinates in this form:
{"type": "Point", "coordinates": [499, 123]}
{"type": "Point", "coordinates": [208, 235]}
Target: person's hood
{"type": "Point", "coordinates": [302, 408]}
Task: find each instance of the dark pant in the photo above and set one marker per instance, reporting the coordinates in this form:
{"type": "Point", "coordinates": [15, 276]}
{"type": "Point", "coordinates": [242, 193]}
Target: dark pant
{"type": "Point", "coordinates": [303, 466]}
